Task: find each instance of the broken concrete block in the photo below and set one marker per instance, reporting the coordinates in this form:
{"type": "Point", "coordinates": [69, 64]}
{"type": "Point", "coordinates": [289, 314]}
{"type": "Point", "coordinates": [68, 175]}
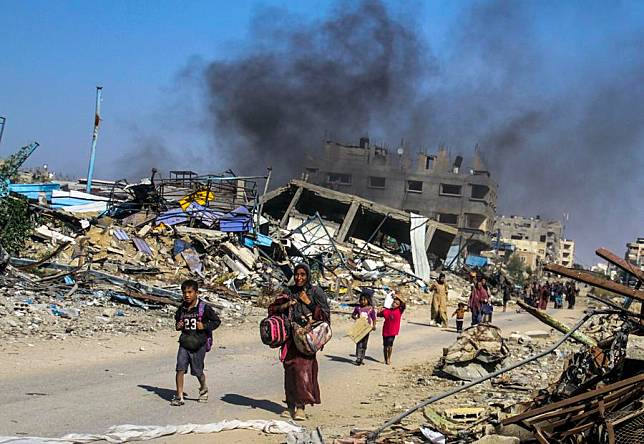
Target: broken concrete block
{"type": "Point", "coordinates": [245, 255]}
{"type": "Point", "coordinates": [497, 439]}
{"type": "Point", "coordinates": [635, 348]}
{"type": "Point", "coordinates": [145, 230]}
{"type": "Point", "coordinates": [50, 234]}
{"type": "Point", "coordinates": [464, 414]}
{"type": "Point", "coordinates": [519, 338]}
{"type": "Point", "coordinates": [537, 334]}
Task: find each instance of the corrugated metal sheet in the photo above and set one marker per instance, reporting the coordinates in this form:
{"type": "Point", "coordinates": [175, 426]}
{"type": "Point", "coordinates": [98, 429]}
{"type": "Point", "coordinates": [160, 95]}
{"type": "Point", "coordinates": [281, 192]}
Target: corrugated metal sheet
{"type": "Point", "coordinates": [142, 246]}
{"type": "Point", "coordinates": [172, 217]}
{"type": "Point", "coordinates": [120, 234]}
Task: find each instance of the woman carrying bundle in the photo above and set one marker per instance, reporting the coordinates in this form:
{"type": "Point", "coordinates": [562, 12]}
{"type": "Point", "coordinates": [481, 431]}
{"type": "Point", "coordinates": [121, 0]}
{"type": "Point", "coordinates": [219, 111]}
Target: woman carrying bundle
{"type": "Point", "coordinates": [304, 304]}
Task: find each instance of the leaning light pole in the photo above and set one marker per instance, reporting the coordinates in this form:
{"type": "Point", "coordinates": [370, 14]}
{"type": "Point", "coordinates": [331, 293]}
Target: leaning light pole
{"type": "Point", "coordinates": [92, 153]}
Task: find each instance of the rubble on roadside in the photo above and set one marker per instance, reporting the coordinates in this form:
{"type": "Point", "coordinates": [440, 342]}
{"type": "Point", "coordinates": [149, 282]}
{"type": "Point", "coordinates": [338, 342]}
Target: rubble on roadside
{"type": "Point", "coordinates": [118, 270]}
{"type": "Point", "coordinates": [590, 389]}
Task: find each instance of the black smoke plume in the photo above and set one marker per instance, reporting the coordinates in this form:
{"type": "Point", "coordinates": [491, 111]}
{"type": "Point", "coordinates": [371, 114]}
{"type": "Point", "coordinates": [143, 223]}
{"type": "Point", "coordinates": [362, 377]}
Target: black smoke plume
{"type": "Point", "coordinates": [560, 137]}
{"type": "Point", "coordinates": [355, 73]}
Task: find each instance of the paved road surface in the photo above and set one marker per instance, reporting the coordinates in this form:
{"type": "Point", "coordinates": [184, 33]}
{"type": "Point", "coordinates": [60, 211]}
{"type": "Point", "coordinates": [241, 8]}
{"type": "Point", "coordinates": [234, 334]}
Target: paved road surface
{"type": "Point", "coordinates": [245, 380]}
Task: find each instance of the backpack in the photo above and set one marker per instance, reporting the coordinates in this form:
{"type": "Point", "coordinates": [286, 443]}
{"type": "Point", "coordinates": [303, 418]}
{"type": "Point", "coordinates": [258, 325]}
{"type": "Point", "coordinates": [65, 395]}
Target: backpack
{"type": "Point", "coordinates": [274, 331]}
{"type": "Point", "coordinates": [200, 310]}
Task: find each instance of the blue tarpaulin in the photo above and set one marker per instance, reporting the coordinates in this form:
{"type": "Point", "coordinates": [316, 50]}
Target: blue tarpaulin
{"type": "Point", "coordinates": [476, 261]}
{"type": "Point", "coordinates": [260, 239]}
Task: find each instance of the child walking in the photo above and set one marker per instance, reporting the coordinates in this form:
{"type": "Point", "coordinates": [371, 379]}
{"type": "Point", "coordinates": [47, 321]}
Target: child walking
{"type": "Point", "coordinates": [460, 315]}
{"type": "Point", "coordinates": [364, 310]}
{"type": "Point", "coordinates": [196, 320]}
{"type": "Point", "coordinates": [391, 326]}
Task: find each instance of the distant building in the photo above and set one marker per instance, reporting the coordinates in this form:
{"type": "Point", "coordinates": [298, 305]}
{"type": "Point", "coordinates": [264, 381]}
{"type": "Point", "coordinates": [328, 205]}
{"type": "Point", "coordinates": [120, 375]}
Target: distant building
{"type": "Point", "coordinates": [566, 252]}
{"type": "Point", "coordinates": [635, 252]}
{"type": "Point", "coordinates": [607, 270]}
{"type": "Point", "coordinates": [429, 184]}
{"type": "Point", "coordinates": [536, 235]}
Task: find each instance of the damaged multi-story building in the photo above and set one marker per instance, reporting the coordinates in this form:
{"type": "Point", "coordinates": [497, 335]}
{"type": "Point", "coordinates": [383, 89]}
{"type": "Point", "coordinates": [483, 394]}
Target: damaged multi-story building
{"type": "Point", "coordinates": [432, 185]}
{"type": "Point", "coordinates": [543, 237]}
{"type": "Point", "coordinates": [635, 253]}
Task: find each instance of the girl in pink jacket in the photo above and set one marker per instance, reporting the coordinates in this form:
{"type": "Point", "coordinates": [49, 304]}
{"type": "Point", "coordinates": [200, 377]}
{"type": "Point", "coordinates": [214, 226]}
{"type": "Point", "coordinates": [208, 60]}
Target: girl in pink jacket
{"type": "Point", "coordinates": [391, 326]}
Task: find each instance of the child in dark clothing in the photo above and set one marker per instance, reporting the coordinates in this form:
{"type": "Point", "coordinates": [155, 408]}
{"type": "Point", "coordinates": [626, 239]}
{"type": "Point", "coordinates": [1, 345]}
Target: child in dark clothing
{"type": "Point", "coordinates": [460, 315]}
{"type": "Point", "coordinates": [196, 320]}
{"type": "Point", "coordinates": [364, 310]}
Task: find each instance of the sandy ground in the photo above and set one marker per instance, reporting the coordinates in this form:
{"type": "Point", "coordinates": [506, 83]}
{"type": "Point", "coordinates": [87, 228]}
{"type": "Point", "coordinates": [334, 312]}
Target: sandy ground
{"type": "Point", "coordinates": [79, 385]}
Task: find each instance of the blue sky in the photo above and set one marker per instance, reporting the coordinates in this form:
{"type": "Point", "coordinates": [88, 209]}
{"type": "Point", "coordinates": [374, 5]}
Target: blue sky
{"type": "Point", "coordinates": [54, 53]}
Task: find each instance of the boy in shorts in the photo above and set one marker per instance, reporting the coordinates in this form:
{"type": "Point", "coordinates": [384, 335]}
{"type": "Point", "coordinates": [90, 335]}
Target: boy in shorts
{"type": "Point", "coordinates": [196, 320]}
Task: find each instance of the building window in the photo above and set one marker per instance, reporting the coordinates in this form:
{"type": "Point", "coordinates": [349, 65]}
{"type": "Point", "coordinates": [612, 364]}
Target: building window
{"type": "Point", "coordinates": [479, 191]}
{"type": "Point", "coordinates": [516, 237]}
{"type": "Point", "coordinates": [312, 170]}
{"type": "Point", "coordinates": [449, 219]}
{"type": "Point", "coordinates": [340, 179]}
{"type": "Point", "coordinates": [542, 238]}
{"type": "Point", "coordinates": [414, 186]}
{"type": "Point", "coordinates": [376, 182]}
{"type": "Point", "coordinates": [450, 190]}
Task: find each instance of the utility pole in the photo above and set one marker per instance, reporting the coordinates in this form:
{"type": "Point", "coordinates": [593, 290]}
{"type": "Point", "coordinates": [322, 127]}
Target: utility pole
{"type": "Point", "coordinates": [2, 122]}
{"type": "Point", "coordinates": [92, 154]}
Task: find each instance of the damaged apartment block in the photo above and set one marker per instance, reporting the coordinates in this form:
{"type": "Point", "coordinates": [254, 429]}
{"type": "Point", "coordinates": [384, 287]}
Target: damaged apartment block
{"type": "Point", "coordinates": [348, 216]}
{"type": "Point", "coordinates": [431, 185]}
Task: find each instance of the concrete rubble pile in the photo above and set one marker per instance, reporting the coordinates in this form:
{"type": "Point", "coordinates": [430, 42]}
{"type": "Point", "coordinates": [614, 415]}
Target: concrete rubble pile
{"type": "Point", "coordinates": [85, 270]}
{"type": "Point", "coordinates": [587, 386]}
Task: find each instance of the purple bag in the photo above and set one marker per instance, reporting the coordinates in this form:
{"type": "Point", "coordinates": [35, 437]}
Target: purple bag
{"type": "Point", "coordinates": [200, 310]}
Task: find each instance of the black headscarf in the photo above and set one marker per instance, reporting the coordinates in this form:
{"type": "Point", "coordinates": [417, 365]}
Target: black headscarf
{"type": "Point", "coordinates": [318, 297]}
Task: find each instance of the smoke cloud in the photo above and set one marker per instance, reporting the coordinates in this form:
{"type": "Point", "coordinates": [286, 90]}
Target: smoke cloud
{"type": "Point", "coordinates": [561, 127]}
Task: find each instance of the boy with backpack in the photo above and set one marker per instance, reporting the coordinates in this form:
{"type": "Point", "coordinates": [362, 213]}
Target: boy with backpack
{"type": "Point", "coordinates": [196, 320]}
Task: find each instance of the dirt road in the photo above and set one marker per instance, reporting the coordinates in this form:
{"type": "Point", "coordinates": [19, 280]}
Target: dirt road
{"type": "Point", "coordinates": [57, 387]}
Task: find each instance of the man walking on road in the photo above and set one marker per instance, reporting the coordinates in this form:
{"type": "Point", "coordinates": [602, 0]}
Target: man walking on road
{"type": "Point", "coordinates": [439, 302]}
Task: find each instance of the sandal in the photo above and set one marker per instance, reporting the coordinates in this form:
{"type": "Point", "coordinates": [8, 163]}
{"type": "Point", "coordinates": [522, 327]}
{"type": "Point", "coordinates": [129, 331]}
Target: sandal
{"type": "Point", "coordinates": [299, 415]}
{"type": "Point", "coordinates": [176, 402]}
{"type": "Point", "coordinates": [203, 395]}
{"type": "Point", "coordinates": [287, 413]}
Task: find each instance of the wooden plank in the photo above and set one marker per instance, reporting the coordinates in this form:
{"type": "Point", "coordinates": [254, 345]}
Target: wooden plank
{"type": "Point", "coordinates": [590, 279]}
{"type": "Point", "coordinates": [621, 263]}
{"type": "Point", "coordinates": [342, 233]}
{"type": "Point", "coordinates": [291, 205]}
{"type": "Point", "coordinates": [552, 322]}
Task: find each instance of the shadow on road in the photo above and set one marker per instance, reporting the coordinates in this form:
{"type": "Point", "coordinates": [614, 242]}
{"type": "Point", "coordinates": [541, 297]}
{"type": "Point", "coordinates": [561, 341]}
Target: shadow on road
{"type": "Point", "coordinates": [161, 392]}
{"type": "Point", "coordinates": [264, 404]}
{"type": "Point", "coordinates": [346, 360]}
{"type": "Point", "coordinates": [418, 323]}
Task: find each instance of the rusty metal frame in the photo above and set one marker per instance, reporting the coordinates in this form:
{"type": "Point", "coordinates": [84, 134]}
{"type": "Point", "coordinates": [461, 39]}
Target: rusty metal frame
{"type": "Point", "coordinates": [588, 278]}
{"type": "Point", "coordinates": [611, 257]}
{"type": "Point", "coordinates": [375, 433]}
{"type": "Point", "coordinates": [580, 412]}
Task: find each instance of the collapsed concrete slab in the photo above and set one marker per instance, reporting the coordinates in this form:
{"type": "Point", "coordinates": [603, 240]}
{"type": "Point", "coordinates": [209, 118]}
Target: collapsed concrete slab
{"type": "Point", "coordinates": [357, 217]}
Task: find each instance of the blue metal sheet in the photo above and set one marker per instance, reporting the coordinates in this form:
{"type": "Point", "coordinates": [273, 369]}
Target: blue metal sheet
{"type": "Point", "coordinates": [120, 234]}
{"type": "Point", "coordinates": [476, 261]}
{"type": "Point", "coordinates": [260, 239]}
{"type": "Point", "coordinates": [205, 215]}
{"type": "Point", "coordinates": [172, 217]}
{"type": "Point", "coordinates": [142, 246]}
{"type": "Point", "coordinates": [32, 190]}
{"type": "Point", "coordinates": [236, 225]}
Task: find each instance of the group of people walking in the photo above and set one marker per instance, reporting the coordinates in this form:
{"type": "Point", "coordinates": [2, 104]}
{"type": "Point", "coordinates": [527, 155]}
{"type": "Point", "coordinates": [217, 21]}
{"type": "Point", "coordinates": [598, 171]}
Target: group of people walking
{"type": "Point", "coordinates": [539, 295]}
{"type": "Point", "coordinates": [305, 304]}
